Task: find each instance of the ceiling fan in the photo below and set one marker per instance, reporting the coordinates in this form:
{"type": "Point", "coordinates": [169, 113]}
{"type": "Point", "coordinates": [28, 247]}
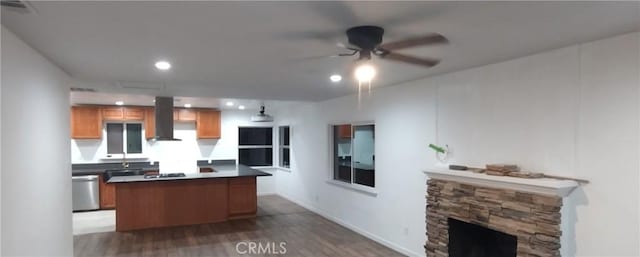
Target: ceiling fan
{"type": "Point", "coordinates": [366, 41]}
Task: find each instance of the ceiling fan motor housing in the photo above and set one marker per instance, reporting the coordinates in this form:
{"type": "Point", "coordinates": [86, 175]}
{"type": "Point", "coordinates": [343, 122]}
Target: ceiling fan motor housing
{"type": "Point", "coordinates": [365, 37]}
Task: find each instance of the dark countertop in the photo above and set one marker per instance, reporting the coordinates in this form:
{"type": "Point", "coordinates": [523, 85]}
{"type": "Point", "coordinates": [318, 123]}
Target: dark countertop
{"type": "Point", "coordinates": [99, 168]}
{"type": "Point", "coordinates": [100, 171]}
{"type": "Point", "coordinates": [220, 171]}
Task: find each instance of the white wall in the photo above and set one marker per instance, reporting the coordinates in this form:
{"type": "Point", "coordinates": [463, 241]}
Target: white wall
{"type": "Point", "coordinates": [36, 175]}
{"type": "Point", "coordinates": [573, 111]}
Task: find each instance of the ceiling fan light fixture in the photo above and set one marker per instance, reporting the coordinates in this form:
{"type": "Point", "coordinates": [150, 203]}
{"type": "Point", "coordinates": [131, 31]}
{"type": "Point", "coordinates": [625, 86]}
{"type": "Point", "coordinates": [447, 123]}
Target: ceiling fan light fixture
{"type": "Point", "coordinates": [365, 72]}
{"type": "Point", "coordinates": [163, 65]}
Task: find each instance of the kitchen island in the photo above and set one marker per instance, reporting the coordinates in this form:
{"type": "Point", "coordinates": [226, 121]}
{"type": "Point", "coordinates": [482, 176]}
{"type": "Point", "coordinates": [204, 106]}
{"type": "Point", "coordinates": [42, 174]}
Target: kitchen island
{"type": "Point", "coordinates": [150, 202]}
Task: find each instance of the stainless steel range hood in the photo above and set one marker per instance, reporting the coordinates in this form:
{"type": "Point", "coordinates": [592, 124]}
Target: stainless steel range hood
{"type": "Point", "coordinates": [164, 119]}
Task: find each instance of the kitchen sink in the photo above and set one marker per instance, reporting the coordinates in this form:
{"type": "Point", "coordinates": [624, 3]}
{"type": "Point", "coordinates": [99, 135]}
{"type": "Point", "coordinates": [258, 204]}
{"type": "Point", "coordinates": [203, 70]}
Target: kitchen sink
{"type": "Point", "coordinates": [121, 172]}
{"type": "Point", "coordinates": [165, 175]}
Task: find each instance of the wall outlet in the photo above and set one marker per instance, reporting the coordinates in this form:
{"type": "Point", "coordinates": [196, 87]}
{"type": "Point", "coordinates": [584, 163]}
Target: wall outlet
{"type": "Point", "coordinates": [406, 231]}
{"type": "Point", "coordinates": [317, 198]}
{"type": "Point", "coordinates": [209, 161]}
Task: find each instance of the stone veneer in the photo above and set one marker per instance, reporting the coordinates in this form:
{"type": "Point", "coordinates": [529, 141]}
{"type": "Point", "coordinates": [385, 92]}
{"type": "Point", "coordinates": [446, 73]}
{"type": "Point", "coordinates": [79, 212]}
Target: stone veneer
{"type": "Point", "coordinates": [533, 218]}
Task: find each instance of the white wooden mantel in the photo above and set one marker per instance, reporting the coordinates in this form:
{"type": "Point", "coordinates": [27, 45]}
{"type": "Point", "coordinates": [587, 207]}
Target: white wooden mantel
{"type": "Point", "coordinates": [546, 186]}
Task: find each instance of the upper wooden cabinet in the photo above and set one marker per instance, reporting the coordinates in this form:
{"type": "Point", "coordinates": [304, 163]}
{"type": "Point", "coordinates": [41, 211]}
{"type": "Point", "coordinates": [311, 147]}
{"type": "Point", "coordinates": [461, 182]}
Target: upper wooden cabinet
{"type": "Point", "coordinates": [117, 113]}
{"type": "Point", "coordinates": [134, 113]}
{"type": "Point", "coordinates": [184, 114]}
{"type": "Point", "coordinates": [149, 123]}
{"type": "Point", "coordinates": [86, 122]}
{"type": "Point", "coordinates": [112, 113]}
{"type": "Point", "coordinates": [344, 131]}
{"type": "Point", "coordinates": [208, 124]}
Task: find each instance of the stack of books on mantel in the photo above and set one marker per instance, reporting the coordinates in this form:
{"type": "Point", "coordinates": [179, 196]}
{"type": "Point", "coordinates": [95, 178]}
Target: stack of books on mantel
{"type": "Point", "coordinates": [510, 170]}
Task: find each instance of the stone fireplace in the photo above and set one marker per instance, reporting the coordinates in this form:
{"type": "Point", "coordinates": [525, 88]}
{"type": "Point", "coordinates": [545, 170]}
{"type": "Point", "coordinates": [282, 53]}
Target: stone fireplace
{"type": "Point", "coordinates": [470, 214]}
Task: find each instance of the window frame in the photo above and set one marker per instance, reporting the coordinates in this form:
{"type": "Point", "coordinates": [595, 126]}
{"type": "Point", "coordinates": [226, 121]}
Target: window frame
{"type": "Point", "coordinates": [124, 141]}
{"type": "Point", "coordinates": [256, 146]}
{"type": "Point", "coordinates": [282, 146]}
{"type": "Point", "coordinates": [372, 191]}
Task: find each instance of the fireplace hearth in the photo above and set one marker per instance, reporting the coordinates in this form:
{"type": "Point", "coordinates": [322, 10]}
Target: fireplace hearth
{"type": "Point", "coordinates": [471, 240]}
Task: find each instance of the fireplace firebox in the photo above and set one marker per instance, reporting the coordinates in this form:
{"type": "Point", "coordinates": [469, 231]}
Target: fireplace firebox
{"type": "Point", "coordinates": [471, 240]}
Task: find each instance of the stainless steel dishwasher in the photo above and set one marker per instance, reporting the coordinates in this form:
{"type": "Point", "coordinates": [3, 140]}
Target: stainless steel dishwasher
{"type": "Point", "coordinates": [86, 194]}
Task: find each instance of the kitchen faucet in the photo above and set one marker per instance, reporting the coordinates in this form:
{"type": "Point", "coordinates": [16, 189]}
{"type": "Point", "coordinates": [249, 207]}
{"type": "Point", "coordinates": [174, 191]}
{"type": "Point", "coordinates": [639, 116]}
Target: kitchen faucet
{"type": "Point", "coordinates": [125, 164]}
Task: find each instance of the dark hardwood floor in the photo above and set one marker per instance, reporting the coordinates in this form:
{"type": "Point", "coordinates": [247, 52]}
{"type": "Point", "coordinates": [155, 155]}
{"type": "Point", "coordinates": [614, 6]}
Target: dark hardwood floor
{"type": "Point", "coordinates": [279, 220]}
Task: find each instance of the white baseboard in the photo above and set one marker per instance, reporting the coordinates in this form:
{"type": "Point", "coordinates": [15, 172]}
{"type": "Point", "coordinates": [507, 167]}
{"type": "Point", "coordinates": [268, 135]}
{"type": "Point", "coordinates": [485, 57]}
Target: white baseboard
{"type": "Point", "coordinates": [358, 230]}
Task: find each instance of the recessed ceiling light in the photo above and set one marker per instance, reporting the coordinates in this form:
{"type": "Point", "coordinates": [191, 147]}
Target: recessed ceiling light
{"type": "Point", "coordinates": [229, 103]}
{"type": "Point", "coordinates": [163, 65]}
{"type": "Point", "coordinates": [119, 103]}
{"type": "Point", "coordinates": [187, 105]}
{"type": "Point", "coordinates": [241, 107]}
{"type": "Point", "coordinates": [335, 78]}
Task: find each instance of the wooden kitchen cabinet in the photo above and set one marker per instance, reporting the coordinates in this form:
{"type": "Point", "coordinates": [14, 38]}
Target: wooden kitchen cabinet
{"type": "Point", "coordinates": [185, 115]}
{"type": "Point", "coordinates": [112, 113]}
{"type": "Point", "coordinates": [344, 131]}
{"type": "Point", "coordinates": [208, 124]}
{"type": "Point", "coordinates": [86, 122]}
{"type": "Point", "coordinates": [242, 196]}
{"type": "Point", "coordinates": [134, 113]}
{"type": "Point", "coordinates": [107, 195]}
{"type": "Point", "coordinates": [118, 113]}
{"type": "Point", "coordinates": [149, 123]}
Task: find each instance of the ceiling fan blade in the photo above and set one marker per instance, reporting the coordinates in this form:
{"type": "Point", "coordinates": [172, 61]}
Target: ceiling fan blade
{"type": "Point", "coordinates": [349, 47]}
{"type": "Point", "coordinates": [15, 4]}
{"type": "Point", "coordinates": [430, 39]}
{"type": "Point", "coordinates": [410, 59]}
{"type": "Point", "coordinates": [349, 54]}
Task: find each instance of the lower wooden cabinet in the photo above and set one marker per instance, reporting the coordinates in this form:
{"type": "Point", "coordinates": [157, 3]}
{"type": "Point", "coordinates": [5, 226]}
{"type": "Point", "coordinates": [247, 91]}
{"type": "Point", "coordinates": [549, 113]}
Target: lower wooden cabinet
{"type": "Point", "coordinates": [107, 195]}
{"type": "Point", "coordinates": [242, 196]}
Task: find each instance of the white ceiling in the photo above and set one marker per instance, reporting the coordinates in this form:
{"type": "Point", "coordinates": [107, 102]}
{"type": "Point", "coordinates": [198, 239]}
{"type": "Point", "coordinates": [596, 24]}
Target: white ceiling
{"type": "Point", "coordinates": [250, 105]}
{"type": "Point", "coordinates": [260, 50]}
